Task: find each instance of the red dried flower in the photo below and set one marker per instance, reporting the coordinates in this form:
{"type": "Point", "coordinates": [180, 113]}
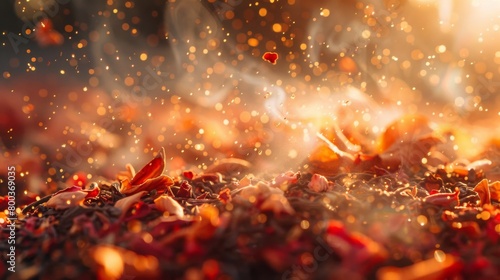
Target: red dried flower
{"type": "Point", "coordinates": [185, 190]}
{"type": "Point", "coordinates": [225, 195]}
{"type": "Point", "coordinates": [148, 178]}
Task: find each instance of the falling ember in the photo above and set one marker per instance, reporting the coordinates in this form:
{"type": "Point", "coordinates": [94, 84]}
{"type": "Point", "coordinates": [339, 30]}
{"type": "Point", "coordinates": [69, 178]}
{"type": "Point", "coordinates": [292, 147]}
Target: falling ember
{"type": "Point", "coordinates": [348, 65]}
{"type": "Point", "coordinates": [46, 35]}
{"type": "Point", "coordinates": [270, 57]}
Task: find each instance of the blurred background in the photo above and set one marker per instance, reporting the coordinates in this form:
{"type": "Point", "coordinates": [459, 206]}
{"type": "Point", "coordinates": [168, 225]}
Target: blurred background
{"type": "Point", "coordinates": [89, 87]}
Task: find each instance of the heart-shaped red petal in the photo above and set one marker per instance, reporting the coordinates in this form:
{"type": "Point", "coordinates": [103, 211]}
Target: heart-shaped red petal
{"type": "Point", "coordinates": [270, 57]}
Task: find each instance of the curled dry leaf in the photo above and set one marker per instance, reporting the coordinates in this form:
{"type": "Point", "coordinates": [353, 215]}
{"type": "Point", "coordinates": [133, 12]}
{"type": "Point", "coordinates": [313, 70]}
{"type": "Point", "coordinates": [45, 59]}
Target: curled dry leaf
{"type": "Point", "coordinates": [66, 200]}
{"type": "Point", "coordinates": [246, 181]}
{"type": "Point", "coordinates": [209, 177]}
{"type": "Point", "coordinates": [495, 190]}
{"type": "Point", "coordinates": [404, 129]}
{"type": "Point", "coordinates": [71, 196]}
{"type": "Point", "coordinates": [126, 203]}
{"type": "Point", "coordinates": [483, 190]}
{"type": "Point", "coordinates": [479, 164]}
{"type": "Point", "coordinates": [319, 183]}
{"type": "Point", "coordinates": [151, 170]}
{"type": "Point", "coordinates": [167, 204]}
{"type": "Point", "coordinates": [326, 161]}
{"type": "Point", "coordinates": [229, 166]}
{"type": "Point", "coordinates": [444, 199]}
{"type": "Point", "coordinates": [148, 178]}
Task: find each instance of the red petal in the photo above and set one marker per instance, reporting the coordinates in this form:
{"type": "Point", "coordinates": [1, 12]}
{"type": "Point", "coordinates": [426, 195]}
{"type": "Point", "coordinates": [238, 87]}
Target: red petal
{"type": "Point", "coordinates": [188, 175]}
{"type": "Point", "coordinates": [270, 57]}
{"type": "Point", "coordinates": [443, 199]}
{"type": "Point", "coordinates": [93, 192]}
{"type": "Point", "coordinates": [184, 190]}
{"type": "Point", "coordinates": [151, 170]}
{"type": "Point", "coordinates": [68, 189]}
{"type": "Point", "coordinates": [160, 184]}
{"type": "Point", "coordinates": [224, 195]}
{"type": "Point", "coordinates": [126, 203]}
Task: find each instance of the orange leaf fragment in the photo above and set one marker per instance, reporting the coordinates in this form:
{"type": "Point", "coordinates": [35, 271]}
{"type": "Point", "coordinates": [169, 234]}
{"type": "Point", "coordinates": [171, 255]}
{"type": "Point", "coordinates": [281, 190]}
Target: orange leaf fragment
{"type": "Point", "coordinates": [483, 190]}
{"type": "Point", "coordinates": [495, 190]}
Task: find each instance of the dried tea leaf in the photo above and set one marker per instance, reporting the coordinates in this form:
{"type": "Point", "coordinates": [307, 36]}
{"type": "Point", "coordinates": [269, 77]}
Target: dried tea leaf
{"type": "Point", "coordinates": [495, 190]}
{"type": "Point", "coordinates": [483, 190]}
{"type": "Point", "coordinates": [71, 196]}
{"type": "Point", "coordinates": [126, 203]}
{"type": "Point", "coordinates": [167, 204]}
{"type": "Point", "coordinates": [66, 200]}
{"type": "Point", "coordinates": [246, 181]}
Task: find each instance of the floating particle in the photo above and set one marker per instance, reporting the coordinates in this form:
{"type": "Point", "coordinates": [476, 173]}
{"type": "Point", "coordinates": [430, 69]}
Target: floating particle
{"type": "Point", "coordinates": [270, 57]}
{"type": "Point", "coordinates": [348, 65]}
{"type": "Point", "coordinates": [46, 35]}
